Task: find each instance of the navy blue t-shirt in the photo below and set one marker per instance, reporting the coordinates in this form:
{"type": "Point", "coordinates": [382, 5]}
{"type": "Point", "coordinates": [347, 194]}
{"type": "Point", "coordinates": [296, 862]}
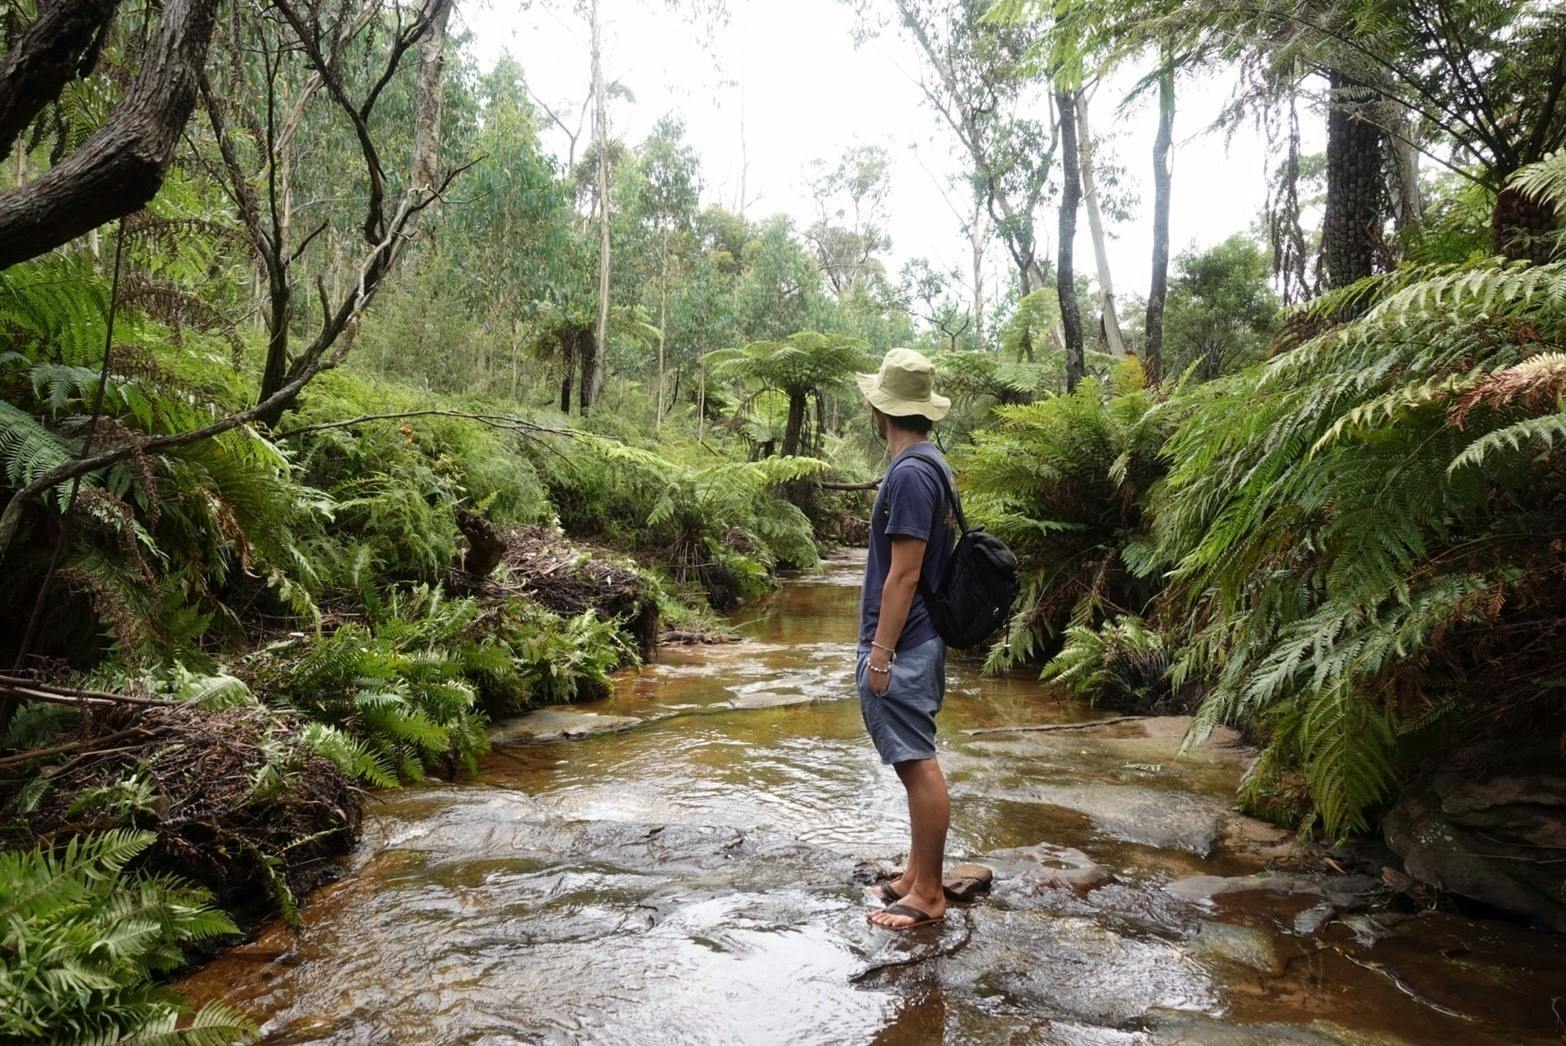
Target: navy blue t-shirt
{"type": "Point", "coordinates": [911, 502]}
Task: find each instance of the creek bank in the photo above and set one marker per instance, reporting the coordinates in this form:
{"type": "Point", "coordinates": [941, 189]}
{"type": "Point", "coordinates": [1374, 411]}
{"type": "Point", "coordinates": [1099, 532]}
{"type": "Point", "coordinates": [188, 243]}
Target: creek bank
{"type": "Point", "coordinates": [703, 871]}
{"type": "Point", "coordinates": [239, 801]}
{"type": "Point", "coordinates": [1498, 838]}
{"type": "Point", "coordinates": [571, 578]}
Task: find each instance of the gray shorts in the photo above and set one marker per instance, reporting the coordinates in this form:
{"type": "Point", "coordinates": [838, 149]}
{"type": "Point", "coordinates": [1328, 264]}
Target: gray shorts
{"type": "Point", "coordinates": [902, 720]}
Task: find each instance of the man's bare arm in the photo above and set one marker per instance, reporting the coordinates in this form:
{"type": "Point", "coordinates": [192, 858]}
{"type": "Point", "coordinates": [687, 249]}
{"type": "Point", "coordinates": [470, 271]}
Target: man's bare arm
{"type": "Point", "coordinates": [902, 579]}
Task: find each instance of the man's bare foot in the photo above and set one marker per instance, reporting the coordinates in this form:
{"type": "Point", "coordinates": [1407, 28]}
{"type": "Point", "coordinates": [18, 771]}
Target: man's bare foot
{"type": "Point", "coordinates": [933, 906]}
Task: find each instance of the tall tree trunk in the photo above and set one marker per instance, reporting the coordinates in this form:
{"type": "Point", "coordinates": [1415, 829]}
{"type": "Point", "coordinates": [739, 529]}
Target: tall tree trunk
{"type": "Point", "coordinates": [1106, 282]}
{"type": "Point", "coordinates": [1158, 286]}
{"type": "Point", "coordinates": [593, 373]}
{"type": "Point", "coordinates": [274, 371]}
{"type": "Point", "coordinates": [516, 359]}
{"type": "Point", "coordinates": [978, 238]}
{"type": "Point", "coordinates": [1407, 197]}
{"type": "Point", "coordinates": [701, 405]}
{"type": "Point", "coordinates": [663, 324]}
{"type": "Point", "coordinates": [429, 94]}
{"type": "Point", "coordinates": [795, 430]}
{"type": "Point", "coordinates": [1070, 197]}
{"type": "Point", "coordinates": [1352, 224]}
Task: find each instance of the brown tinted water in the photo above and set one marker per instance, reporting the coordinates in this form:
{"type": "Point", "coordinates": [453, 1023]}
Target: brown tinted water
{"type": "Point", "coordinates": [692, 879]}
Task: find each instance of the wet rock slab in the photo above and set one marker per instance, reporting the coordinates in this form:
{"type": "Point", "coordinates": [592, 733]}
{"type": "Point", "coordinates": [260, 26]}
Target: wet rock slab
{"type": "Point", "coordinates": [1150, 816]}
{"type": "Point", "coordinates": [1064, 968]}
{"type": "Point", "coordinates": [558, 724]}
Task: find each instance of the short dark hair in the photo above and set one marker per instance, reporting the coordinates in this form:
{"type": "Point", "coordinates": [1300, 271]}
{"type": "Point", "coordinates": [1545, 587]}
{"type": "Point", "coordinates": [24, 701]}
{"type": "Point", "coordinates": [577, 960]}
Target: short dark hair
{"type": "Point", "coordinates": [915, 423]}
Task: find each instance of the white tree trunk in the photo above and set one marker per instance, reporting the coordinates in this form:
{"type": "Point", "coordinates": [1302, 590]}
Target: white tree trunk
{"type": "Point", "coordinates": [1106, 285]}
{"type": "Point", "coordinates": [428, 97]}
{"type": "Point", "coordinates": [601, 140]}
{"type": "Point", "coordinates": [979, 230]}
{"type": "Point", "coordinates": [663, 326]}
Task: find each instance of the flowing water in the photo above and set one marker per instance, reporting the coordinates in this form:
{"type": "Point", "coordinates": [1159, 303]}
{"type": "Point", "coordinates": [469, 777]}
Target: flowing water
{"type": "Point", "coordinates": [696, 878]}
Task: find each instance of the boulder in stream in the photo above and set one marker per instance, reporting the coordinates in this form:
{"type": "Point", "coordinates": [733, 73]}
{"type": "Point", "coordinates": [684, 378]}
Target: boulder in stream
{"type": "Point", "coordinates": [1496, 839]}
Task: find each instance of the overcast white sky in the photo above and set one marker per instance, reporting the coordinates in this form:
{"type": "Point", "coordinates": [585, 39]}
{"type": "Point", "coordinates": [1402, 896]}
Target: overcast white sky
{"type": "Point", "coordinates": [807, 92]}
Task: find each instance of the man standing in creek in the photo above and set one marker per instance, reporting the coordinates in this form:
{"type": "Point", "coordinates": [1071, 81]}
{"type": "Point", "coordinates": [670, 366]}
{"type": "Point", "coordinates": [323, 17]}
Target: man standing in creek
{"type": "Point", "coordinates": [901, 667]}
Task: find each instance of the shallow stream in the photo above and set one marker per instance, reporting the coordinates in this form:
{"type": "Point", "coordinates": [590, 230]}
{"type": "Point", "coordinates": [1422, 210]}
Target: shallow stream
{"type": "Point", "coordinates": [694, 876]}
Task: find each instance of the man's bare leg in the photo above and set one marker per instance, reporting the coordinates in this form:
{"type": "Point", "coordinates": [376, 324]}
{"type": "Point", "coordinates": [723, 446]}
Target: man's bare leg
{"type": "Point", "coordinates": [929, 813]}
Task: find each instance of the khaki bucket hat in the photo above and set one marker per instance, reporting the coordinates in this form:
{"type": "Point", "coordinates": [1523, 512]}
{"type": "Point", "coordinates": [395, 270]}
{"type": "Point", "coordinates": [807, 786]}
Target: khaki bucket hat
{"type": "Point", "coordinates": [904, 385]}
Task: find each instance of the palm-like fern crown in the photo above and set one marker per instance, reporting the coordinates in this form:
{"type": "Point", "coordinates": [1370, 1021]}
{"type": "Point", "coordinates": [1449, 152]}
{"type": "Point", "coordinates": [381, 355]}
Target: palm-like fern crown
{"type": "Point", "coordinates": [798, 365]}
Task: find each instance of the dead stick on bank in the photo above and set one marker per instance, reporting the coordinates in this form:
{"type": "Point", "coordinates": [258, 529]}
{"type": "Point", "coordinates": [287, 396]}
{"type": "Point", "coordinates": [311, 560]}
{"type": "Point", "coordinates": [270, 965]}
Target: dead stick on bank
{"type": "Point", "coordinates": [1035, 728]}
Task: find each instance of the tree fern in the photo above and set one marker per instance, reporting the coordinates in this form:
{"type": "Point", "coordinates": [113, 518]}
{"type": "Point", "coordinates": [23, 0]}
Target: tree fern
{"type": "Point", "coordinates": [1344, 524]}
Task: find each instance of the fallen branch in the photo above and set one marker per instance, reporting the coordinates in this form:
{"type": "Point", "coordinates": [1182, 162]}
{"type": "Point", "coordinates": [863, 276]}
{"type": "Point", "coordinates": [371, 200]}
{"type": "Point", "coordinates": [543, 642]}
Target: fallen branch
{"type": "Point", "coordinates": [1035, 728]}
{"type": "Point", "coordinates": [828, 485]}
{"type": "Point", "coordinates": [72, 695]}
{"type": "Point", "coordinates": [499, 421]}
{"type": "Point", "coordinates": [40, 753]}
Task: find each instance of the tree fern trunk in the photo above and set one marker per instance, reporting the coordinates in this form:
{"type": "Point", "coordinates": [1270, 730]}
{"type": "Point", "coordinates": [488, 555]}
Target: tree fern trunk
{"type": "Point", "coordinates": [588, 349]}
{"type": "Point", "coordinates": [1351, 228]}
{"type": "Point", "coordinates": [1520, 227]}
{"type": "Point", "coordinates": [796, 425]}
{"type": "Point", "coordinates": [567, 339]}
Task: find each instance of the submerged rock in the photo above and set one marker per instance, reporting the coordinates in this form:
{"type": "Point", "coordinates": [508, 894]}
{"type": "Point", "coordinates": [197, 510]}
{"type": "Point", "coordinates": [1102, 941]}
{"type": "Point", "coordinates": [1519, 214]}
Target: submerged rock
{"type": "Point", "coordinates": [558, 724]}
{"type": "Point", "coordinates": [1201, 888]}
{"type": "Point", "coordinates": [1241, 945]}
{"type": "Point", "coordinates": [1046, 864]}
{"type": "Point", "coordinates": [1496, 840]}
{"type": "Point", "coordinates": [1151, 816]}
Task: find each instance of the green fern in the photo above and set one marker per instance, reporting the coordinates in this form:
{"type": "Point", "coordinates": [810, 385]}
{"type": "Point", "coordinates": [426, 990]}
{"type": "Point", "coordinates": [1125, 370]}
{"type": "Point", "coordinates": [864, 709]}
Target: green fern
{"type": "Point", "coordinates": [82, 938]}
{"type": "Point", "coordinates": [1346, 522]}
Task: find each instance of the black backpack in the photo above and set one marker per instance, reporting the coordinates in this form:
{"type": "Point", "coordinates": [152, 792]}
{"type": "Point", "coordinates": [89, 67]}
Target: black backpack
{"type": "Point", "coordinates": [974, 596]}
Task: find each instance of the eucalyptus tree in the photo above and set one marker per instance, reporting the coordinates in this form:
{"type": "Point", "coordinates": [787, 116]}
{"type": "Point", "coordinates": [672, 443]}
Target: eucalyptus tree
{"type": "Point", "coordinates": [977, 74]}
{"type": "Point", "coordinates": [1097, 38]}
{"type": "Point", "coordinates": [672, 189]}
{"type": "Point", "coordinates": [926, 292]}
{"type": "Point", "coordinates": [320, 81]}
{"type": "Point", "coordinates": [779, 289]}
{"type": "Point", "coordinates": [511, 237]}
{"type": "Point", "coordinates": [850, 200]}
{"type": "Point", "coordinates": [1222, 308]}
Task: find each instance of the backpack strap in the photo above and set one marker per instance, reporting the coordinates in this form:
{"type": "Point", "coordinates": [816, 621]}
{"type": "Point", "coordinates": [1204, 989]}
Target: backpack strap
{"type": "Point", "coordinates": [946, 484]}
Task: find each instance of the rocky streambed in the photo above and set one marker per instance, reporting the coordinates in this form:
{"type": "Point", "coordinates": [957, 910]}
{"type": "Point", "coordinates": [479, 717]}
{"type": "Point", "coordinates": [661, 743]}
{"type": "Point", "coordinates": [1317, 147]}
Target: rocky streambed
{"type": "Point", "coordinates": [685, 862]}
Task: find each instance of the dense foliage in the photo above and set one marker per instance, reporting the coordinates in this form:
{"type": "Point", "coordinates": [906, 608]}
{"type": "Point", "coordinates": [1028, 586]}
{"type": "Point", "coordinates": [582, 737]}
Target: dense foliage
{"type": "Point", "coordinates": [350, 367]}
{"type": "Point", "coordinates": [82, 942]}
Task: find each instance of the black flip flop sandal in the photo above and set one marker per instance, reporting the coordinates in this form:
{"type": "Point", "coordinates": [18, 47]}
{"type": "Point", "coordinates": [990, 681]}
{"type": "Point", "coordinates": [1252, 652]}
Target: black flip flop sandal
{"type": "Point", "coordinates": [908, 911]}
{"type": "Point", "coordinates": [885, 894]}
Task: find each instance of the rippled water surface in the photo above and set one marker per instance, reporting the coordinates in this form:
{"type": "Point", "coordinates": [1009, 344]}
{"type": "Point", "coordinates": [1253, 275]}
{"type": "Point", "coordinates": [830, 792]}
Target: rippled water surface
{"type": "Point", "coordinates": [693, 879]}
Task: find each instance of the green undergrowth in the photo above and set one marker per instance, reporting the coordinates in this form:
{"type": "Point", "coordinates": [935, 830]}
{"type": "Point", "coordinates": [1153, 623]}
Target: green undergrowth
{"type": "Point", "coordinates": [1351, 551]}
{"type": "Point", "coordinates": [83, 939]}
